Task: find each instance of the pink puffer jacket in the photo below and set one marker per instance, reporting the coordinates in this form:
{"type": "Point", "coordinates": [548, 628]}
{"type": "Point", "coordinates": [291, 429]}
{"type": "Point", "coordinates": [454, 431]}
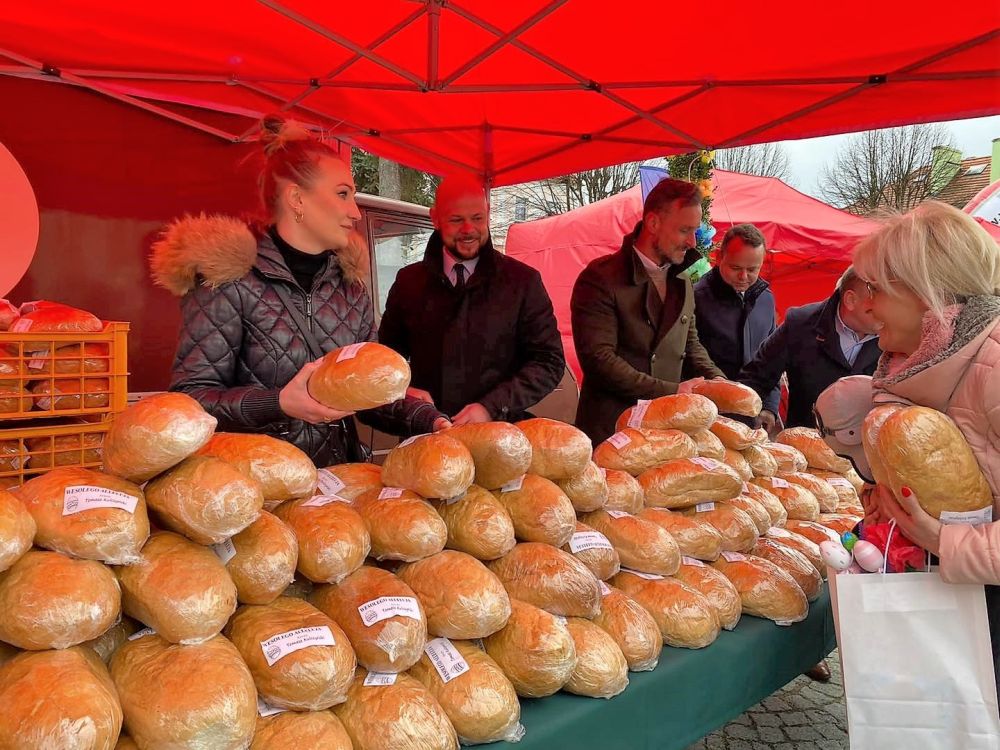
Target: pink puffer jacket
{"type": "Point", "coordinates": [966, 387]}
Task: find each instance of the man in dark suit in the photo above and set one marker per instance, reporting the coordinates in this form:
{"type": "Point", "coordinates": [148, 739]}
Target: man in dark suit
{"type": "Point", "coordinates": [817, 345]}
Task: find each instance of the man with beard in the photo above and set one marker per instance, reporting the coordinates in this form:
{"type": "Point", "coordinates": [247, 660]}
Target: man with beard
{"type": "Point", "coordinates": [633, 313]}
{"type": "Point", "coordinates": [477, 327]}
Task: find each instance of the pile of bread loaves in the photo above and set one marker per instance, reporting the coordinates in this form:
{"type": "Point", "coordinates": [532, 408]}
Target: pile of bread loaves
{"type": "Point", "coordinates": [217, 590]}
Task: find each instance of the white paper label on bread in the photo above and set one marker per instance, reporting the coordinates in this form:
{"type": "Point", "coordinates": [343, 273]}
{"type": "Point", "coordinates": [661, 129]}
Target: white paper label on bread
{"type": "Point", "coordinates": [390, 493]}
{"type": "Point", "coordinates": [380, 679]}
{"type": "Point", "coordinates": [447, 661]}
{"type": "Point", "coordinates": [329, 483]}
{"type": "Point", "coordinates": [840, 482]}
{"type": "Point", "coordinates": [581, 541]}
{"type": "Point", "coordinates": [647, 576]}
{"type": "Point", "coordinates": [617, 513]}
{"type": "Point", "coordinates": [224, 550]}
{"type": "Point", "coordinates": [706, 463]}
{"type": "Point", "coordinates": [83, 497]}
{"type": "Point", "coordinates": [779, 533]}
{"type": "Point", "coordinates": [278, 647]}
{"type": "Point", "coordinates": [389, 606]}
{"type": "Point", "coordinates": [350, 352]}
{"type": "Point", "coordinates": [605, 588]}
{"type": "Point", "coordinates": [704, 507]}
{"type": "Point", "coordinates": [37, 363]}
{"type": "Point", "coordinates": [320, 500]}
{"type": "Point", "coordinates": [619, 440]}
{"type": "Point", "coordinates": [141, 634]}
{"type": "Point", "coordinates": [745, 488]}
{"type": "Point", "coordinates": [734, 556]}
{"type": "Point", "coordinates": [513, 485]}
{"type": "Point", "coordinates": [21, 325]}
{"type": "Point", "coordinates": [44, 403]}
{"type": "Point", "coordinates": [638, 413]}
{"type": "Point", "coordinates": [781, 484]}
{"type": "Point", "coordinates": [692, 561]}
{"type": "Point", "coordinates": [409, 441]}
{"type": "Point", "coordinates": [265, 709]}
{"type": "Point", "coordinates": [968, 518]}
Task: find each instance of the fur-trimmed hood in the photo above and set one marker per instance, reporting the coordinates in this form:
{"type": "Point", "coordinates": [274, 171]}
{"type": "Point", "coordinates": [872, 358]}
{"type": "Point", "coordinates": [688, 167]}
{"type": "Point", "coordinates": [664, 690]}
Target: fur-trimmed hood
{"type": "Point", "coordinates": [213, 250]}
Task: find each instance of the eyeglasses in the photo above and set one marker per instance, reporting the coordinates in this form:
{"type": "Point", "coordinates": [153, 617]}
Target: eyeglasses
{"type": "Point", "coordinates": [871, 289]}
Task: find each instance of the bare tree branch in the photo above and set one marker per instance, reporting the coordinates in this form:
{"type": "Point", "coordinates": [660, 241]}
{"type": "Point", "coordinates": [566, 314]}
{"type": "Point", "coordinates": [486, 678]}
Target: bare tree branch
{"type": "Point", "coordinates": [561, 194]}
{"type": "Point", "coordinates": [762, 159]}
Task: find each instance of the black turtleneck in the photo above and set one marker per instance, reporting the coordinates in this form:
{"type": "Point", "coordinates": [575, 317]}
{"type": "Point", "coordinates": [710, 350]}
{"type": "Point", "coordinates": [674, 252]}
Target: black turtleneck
{"type": "Point", "coordinates": [304, 266]}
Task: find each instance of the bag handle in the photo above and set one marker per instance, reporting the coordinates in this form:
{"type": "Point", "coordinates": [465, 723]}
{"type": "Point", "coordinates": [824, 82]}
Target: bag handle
{"type": "Point", "coordinates": [885, 552]}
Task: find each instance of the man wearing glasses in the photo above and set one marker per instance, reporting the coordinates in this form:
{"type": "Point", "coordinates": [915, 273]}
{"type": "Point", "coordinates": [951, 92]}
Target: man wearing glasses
{"type": "Point", "coordinates": [817, 345]}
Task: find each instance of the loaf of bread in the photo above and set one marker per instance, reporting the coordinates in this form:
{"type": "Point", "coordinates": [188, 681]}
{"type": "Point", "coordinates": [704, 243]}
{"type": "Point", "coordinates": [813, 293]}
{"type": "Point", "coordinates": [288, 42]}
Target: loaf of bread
{"type": "Point", "coordinates": [539, 510]}
{"type": "Point", "coordinates": [766, 590]}
{"type": "Point", "coordinates": [394, 711]}
{"type": "Point", "coordinates": [480, 701]}
{"type": "Point", "coordinates": [601, 670]}
{"type": "Point", "coordinates": [17, 530]}
{"type": "Point", "coordinates": [594, 550]}
{"type": "Point", "coordinates": [300, 659]}
{"type": "Point", "coordinates": [736, 435]}
{"type": "Point", "coordinates": [87, 514]}
{"type": "Point", "coordinates": [294, 729]}
{"type": "Point", "coordinates": [846, 494]}
{"type": "Point", "coordinates": [111, 639]}
{"type": "Point", "coordinates": [588, 490]}
{"type": "Point", "coordinates": [283, 471]}
{"type": "Point", "coordinates": [808, 548]}
{"type": "Point", "coordinates": [48, 600]}
{"type": "Point", "coordinates": [360, 376]}
{"type": "Point", "coordinates": [205, 499]}
{"type": "Point", "coordinates": [43, 316]}
{"type": "Point", "coordinates": [924, 450]}
{"type": "Point", "coordinates": [813, 531]}
{"type": "Point", "coordinates": [60, 394]}
{"type": "Point", "coordinates": [799, 502]}
{"type": "Point", "coordinates": [14, 399]}
{"type": "Point", "coordinates": [333, 539]}
{"type": "Point", "coordinates": [792, 562]}
{"type": "Point", "coordinates": [687, 412]}
{"type": "Point", "coordinates": [380, 614]}
{"type": "Point", "coordinates": [770, 502]}
{"type": "Point", "coordinates": [178, 588]}
{"type": "Point", "coordinates": [74, 359]}
{"type": "Point", "coordinates": [63, 450]}
{"type": "Point", "coordinates": [549, 578]}
{"type": "Point", "coordinates": [349, 480]}
{"type": "Point", "coordinates": [757, 512]}
{"type": "Point", "coordinates": [624, 492]}
{"type": "Point", "coordinates": [869, 439]}
{"type": "Point", "coordinates": [737, 529]}
{"type": "Point", "coordinates": [730, 397]}
{"type": "Point", "coordinates": [261, 559]}
{"type": "Point", "coordinates": [735, 461]}
{"type": "Point", "coordinates": [501, 452]}
{"type": "Point", "coordinates": [822, 490]}
{"type": "Point", "coordinates": [635, 451]}
{"type": "Point", "coordinates": [810, 444]}
{"type": "Point", "coordinates": [632, 628]}
{"type": "Point", "coordinates": [762, 463]}
{"type": "Point", "coordinates": [58, 699]}
{"type": "Point", "coordinates": [558, 450]}
{"type": "Point", "coordinates": [708, 445]}
{"type": "Point", "coordinates": [642, 545]}
{"type": "Point", "coordinates": [685, 617]}
{"type": "Point", "coordinates": [185, 696]}
{"type": "Point", "coordinates": [155, 434]}
{"type": "Point", "coordinates": [684, 482]}
{"type": "Point", "coordinates": [478, 524]}
{"type": "Point", "coordinates": [534, 650]}
{"type": "Point", "coordinates": [840, 523]}
{"type": "Point", "coordinates": [435, 466]}
{"type": "Point", "coordinates": [789, 459]}
{"type": "Point", "coordinates": [695, 537]}
{"type": "Point", "coordinates": [460, 596]}
{"type": "Point", "coordinates": [401, 524]}
{"type": "Point", "coordinates": [715, 587]}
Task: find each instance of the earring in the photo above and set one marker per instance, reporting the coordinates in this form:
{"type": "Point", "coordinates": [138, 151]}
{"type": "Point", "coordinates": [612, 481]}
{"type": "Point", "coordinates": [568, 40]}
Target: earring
{"type": "Point", "coordinates": [298, 217]}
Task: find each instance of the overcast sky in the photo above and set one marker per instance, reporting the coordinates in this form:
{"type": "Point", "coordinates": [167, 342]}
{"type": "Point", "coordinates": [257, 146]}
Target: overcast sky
{"type": "Point", "coordinates": [808, 157]}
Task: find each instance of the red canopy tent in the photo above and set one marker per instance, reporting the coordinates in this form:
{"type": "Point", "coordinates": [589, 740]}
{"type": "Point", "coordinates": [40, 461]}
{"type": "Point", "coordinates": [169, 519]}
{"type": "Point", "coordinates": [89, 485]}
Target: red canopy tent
{"type": "Point", "coordinates": [809, 242]}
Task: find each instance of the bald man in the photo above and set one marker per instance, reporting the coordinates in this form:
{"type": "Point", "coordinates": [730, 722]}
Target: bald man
{"type": "Point", "coordinates": [477, 327]}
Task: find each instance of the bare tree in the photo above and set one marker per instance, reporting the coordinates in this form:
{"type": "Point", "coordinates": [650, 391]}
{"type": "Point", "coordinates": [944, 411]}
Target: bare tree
{"type": "Point", "coordinates": [560, 194]}
{"type": "Point", "coordinates": [762, 159]}
{"type": "Point", "coordinates": [884, 169]}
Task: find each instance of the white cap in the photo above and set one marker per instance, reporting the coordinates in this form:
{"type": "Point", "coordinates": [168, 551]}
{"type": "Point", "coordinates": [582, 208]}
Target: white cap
{"type": "Point", "coordinates": [840, 415]}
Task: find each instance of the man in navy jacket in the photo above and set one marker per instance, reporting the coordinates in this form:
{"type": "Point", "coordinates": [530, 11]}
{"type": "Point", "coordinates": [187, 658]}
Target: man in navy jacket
{"type": "Point", "coordinates": [734, 307]}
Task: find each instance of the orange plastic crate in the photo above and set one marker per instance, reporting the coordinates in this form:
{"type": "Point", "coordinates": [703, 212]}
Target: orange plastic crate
{"type": "Point", "coordinates": [29, 451]}
{"type": "Point", "coordinates": [63, 374]}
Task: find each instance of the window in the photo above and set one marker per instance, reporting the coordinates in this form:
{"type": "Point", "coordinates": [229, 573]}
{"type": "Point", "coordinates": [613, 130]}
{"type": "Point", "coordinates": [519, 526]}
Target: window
{"type": "Point", "coordinates": [975, 169]}
{"type": "Point", "coordinates": [520, 209]}
{"type": "Point", "coordinates": [397, 243]}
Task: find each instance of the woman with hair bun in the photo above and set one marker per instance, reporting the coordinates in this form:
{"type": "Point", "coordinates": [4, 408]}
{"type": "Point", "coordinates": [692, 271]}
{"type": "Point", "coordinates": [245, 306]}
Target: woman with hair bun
{"type": "Point", "coordinates": [242, 353]}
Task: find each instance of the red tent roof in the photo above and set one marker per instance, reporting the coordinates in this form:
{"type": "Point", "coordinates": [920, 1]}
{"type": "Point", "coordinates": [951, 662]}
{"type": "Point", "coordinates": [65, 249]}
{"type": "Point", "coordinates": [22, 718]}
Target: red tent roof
{"type": "Point", "coordinates": [522, 89]}
{"type": "Point", "coordinates": [810, 242]}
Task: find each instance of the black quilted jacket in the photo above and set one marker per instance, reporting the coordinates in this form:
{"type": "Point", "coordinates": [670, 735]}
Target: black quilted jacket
{"type": "Point", "coordinates": [239, 346]}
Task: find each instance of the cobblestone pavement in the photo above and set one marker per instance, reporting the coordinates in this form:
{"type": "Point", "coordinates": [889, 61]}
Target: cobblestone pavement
{"type": "Point", "coordinates": [803, 715]}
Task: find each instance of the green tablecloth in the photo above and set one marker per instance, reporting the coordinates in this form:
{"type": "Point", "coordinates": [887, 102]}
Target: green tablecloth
{"type": "Point", "coordinates": [689, 694]}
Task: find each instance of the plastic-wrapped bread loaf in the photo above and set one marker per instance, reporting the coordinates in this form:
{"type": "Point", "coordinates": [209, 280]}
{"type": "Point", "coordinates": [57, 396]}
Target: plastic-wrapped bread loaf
{"type": "Point", "coordinates": [594, 550]}
{"type": "Point", "coordinates": [715, 587]}
{"type": "Point", "coordinates": [588, 490]}
{"type": "Point", "coordinates": [601, 670]}
{"type": "Point", "coordinates": [333, 539]}
{"type": "Point", "coordinates": [688, 481]}
{"type": "Point", "coordinates": [401, 524]}
{"type": "Point", "coordinates": [300, 730]}
{"type": "Point", "coordinates": [789, 459]}
{"type": "Point", "coordinates": [478, 524]}
{"type": "Point", "coordinates": [558, 450]}
{"type": "Point", "coordinates": [539, 510]}
{"type": "Point", "coordinates": [810, 444]}
{"type": "Point", "coordinates": [500, 450]}
{"type": "Point", "coordinates": [695, 537]}
{"type": "Point", "coordinates": [762, 463]}
{"type": "Point", "coordinates": [765, 589]}
{"type": "Point", "coordinates": [283, 471]}
{"type": "Point", "coordinates": [642, 545]}
{"type": "Point", "coordinates": [757, 512]}
{"type": "Point", "coordinates": [688, 412]}
{"type": "Point", "coordinates": [770, 502]}
{"type": "Point", "coordinates": [349, 480]}
{"type": "Point", "coordinates": [635, 451]}
{"type": "Point", "coordinates": [685, 617]}
{"type": "Point", "coordinates": [735, 461]}
{"type": "Point", "coordinates": [709, 446]}
{"type": "Point", "coordinates": [360, 376]}
{"type": "Point", "coordinates": [737, 529]}
{"type": "Point", "coordinates": [799, 502]}
{"type": "Point", "coordinates": [632, 628]}
{"type": "Point", "coordinates": [17, 530]}
{"type": "Point", "coordinates": [261, 559]}
{"type": "Point", "coordinates": [822, 490]}
{"type": "Point", "coordinates": [549, 578]}
{"type": "Point", "coordinates": [736, 435]}
{"type": "Point", "coordinates": [730, 397]}
{"type": "Point", "coordinates": [432, 466]}
{"type": "Point", "coordinates": [624, 492]}
{"type": "Point", "coordinates": [792, 562]}
{"type": "Point", "coordinates": [808, 548]}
